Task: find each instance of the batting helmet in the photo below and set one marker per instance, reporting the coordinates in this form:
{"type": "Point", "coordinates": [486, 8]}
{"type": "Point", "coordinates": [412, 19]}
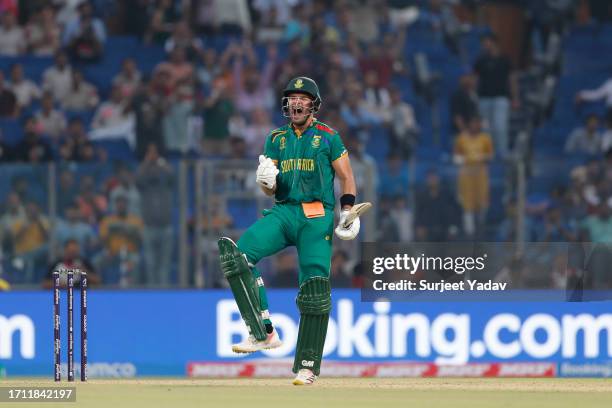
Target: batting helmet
{"type": "Point", "coordinates": [302, 85]}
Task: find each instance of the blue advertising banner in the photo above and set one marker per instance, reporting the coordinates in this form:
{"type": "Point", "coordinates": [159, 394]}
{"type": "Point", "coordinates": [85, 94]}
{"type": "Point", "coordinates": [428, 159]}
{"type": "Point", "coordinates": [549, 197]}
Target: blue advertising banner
{"type": "Point", "coordinates": [159, 332]}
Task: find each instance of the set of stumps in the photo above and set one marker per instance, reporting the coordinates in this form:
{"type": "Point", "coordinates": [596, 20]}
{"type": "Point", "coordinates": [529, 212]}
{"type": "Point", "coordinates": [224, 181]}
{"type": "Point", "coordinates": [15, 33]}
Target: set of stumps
{"type": "Point", "coordinates": [57, 358]}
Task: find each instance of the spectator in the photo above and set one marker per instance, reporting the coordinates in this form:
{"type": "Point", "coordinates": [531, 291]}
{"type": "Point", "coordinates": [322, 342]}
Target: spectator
{"type": "Point", "coordinates": [150, 106]}
{"type": "Point", "coordinates": [496, 85]}
{"type": "Point", "coordinates": [66, 190]}
{"type": "Point", "coordinates": [377, 99]}
{"type": "Point", "coordinates": [14, 212]}
{"type": "Point", "coordinates": [586, 139]}
{"type": "Point", "coordinates": [164, 17]}
{"type": "Point", "coordinates": [603, 92]}
{"type": "Point", "coordinates": [156, 183]}
{"type": "Point", "coordinates": [598, 229]}
{"type": "Point", "coordinates": [239, 150]}
{"type": "Point", "coordinates": [252, 89]}
{"type": "Point", "coordinates": [403, 126]}
{"type": "Point", "coordinates": [182, 37]}
{"type": "Point", "coordinates": [179, 69]}
{"type": "Point", "coordinates": [401, 218]}
{"type": "Point", "coordinates": [52, 121]}
{"type": "Point", "coordinates": [43, 32]}
{"type": "Point", "coordinates": [437, 217]}
{"type": "Point", "coordinates": [340, 271]}
{"type": "Point", "coordinates": [218, 109]}
{"type": "Point", "coordinates": [74, 142]}
{"type": "Point", "coordinates": [84, 36]}
{"type": "Point", "coordinates": [8, 101]}
{"type": "Point", "coordinates": [32, 149]}
{"type": "Point", "coordinates": [177, 119]}
{"type": "Point", "coordinates": [72, 258]}
{"type": "Point", "coordinates": [30, 237]}
{"type": "Point", "coordinates": [464, 103]}
{"type": "Point", "coordinates": [209, 69]}
{"type": "Point", "coordinates": [555, 228]}
{"type": "Point", "coordinates": [364, 165]}
{"type": "Point", "coordinates": [356, 116]}
{"type": "Point", "coordinates": [125, 186]}
{"type": "Point", "coordinates": [396, 176]}
{"type": "Point", "coordinates": [25, 90]}
{"type": "Point", "coordinates": [121, 234]}
{"type": "Point", "coordinates": [57, 79]}
{"type": "Point", "coordinates": [92, 204]}
{"type": "Point", "coordinates": [11, 36]}
{"type": "Point", "coordinates": [375, 59]}
{"type": "Point", "coordinates": [254, 133]}
{"type": "Point", "coordinates": [295, 28]}
{"type": "Point", "coordinates": [73, 228]}
{"type": "Point", "coordinates": [114, 112]}
{"type": "Point", "coordinates": [232, 16]}
{"type": "Point", "coordinates": [128, 79]}
{"type": "Point", "coordinates": [472, 152]}
{"type": "Point", "coordinates": [81, 95]}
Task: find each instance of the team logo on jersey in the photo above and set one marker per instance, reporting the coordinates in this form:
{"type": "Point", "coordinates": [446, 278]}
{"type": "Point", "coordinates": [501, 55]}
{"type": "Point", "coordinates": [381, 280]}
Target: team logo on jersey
{"type": "Point", "coordinates": [283, 143]}
{"type": "Point", "coordinates": [316, 141]}
{"type": "Point", "coordinates": [298, 83]}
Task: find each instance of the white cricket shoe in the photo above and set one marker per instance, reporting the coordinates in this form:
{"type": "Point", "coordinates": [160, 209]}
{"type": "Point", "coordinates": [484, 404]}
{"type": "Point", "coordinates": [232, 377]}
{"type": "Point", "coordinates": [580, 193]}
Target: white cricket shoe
{"type": "Point", "coordinates": [251, 345]}
{"type": "Point", "coordinates": [304, 377]}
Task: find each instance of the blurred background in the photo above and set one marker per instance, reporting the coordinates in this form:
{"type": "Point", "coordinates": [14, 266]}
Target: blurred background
{"type": "Point", "coordinates": [129, 130]}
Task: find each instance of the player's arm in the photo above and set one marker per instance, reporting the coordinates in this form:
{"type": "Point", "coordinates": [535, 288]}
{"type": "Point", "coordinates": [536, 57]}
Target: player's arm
{"type": "Point", "coordinates": [344, 172]}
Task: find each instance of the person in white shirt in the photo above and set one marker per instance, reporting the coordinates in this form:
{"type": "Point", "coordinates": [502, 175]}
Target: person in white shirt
{"type": "Point", "coordinates": [51, 121]}
{"type": "Point", "coordinates": [12, 38]}
{"type": "Point", "coordinates": [43, 32]}
{"type": "Point", "coordinates": [24, 89]}
{"type": "Point", "coordinates": [57, 79]}
{"type": "Point", "coordinates": [603, 92]}
{"type": "Point", "coordinates": [81, 95]}
{"type": "Point", "coordinates": [113, 112]}
{"type": "Point", "coordinates": [585, 139]}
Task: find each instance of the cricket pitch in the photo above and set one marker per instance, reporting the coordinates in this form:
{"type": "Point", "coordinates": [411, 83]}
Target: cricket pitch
{"type": "Point", "coordinates": [331, 392]}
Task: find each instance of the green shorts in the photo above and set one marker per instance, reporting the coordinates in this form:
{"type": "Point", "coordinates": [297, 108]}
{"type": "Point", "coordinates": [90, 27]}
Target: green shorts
{"type": "Point", "coordinates": [286, 225]}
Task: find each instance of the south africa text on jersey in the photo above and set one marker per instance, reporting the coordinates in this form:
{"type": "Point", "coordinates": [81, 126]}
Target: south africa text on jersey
{"type": "Point", "coordinates": [299, 164]}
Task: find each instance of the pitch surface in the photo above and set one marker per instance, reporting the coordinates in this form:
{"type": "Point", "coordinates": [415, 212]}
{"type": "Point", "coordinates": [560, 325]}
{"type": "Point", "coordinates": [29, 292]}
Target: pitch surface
{"type": "Point", "coordinates": [332, 392]}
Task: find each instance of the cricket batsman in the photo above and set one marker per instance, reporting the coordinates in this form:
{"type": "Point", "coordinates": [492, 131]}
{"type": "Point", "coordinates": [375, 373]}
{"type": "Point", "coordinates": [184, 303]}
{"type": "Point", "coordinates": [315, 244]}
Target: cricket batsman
{"type": "Point", "coordinates": [298, 167]}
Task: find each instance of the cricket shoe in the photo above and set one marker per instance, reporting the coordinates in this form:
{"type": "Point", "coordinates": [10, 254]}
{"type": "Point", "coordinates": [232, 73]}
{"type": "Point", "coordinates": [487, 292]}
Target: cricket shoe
{"type": "Point", "coordinates": [251, 345]}
{"type": "Point", "coordinates": [304, 377]}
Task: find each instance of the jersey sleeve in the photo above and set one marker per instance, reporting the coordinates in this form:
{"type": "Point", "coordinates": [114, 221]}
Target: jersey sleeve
{"type": "Point", "coordinates": [271, 148]}
{"type": "Point", "coordinates": [336, 147]}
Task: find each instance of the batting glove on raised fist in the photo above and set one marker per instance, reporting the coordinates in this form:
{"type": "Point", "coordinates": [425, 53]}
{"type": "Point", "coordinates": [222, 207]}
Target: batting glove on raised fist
{"type": "Point", "coordinates": [347, 232]}
{"type": "Point", "coordinates": [266, 172]}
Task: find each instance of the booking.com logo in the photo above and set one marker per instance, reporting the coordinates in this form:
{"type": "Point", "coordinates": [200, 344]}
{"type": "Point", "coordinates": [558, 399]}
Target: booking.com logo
{"type": "Point", "coordinates": [446, 337]}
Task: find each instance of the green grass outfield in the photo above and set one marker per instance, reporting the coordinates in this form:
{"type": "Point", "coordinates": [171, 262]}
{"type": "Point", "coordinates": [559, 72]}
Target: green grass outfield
{"type": "Point", "coordinates": [331, 392]}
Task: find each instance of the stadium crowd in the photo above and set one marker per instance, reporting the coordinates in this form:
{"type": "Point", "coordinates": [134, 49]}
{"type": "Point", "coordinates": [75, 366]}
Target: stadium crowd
{"type": "Point", "coordinates": [213, 93]}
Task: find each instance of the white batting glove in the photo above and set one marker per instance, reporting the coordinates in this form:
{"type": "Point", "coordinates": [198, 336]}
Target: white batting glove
{"type": "Point", "coordinates": [349, 232]}
{"type": "Point", "coordinates": [266, 172]}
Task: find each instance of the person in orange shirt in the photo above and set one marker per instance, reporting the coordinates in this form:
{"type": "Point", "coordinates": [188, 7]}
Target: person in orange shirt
{"type": "Point", "coordinates": [472, 151]}
{"type": "Point", "coordinates": [121, 234]}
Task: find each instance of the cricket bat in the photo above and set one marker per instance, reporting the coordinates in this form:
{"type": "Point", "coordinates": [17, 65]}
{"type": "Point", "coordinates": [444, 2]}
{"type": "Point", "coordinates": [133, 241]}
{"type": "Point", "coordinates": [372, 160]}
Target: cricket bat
{"type": "Point", "coordinates": [356, 211]}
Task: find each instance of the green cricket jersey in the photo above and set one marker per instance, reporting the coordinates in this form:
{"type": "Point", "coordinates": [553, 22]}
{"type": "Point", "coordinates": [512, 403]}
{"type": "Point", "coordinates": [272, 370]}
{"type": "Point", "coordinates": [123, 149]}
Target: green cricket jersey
{"type": "Point", "coordinates": [304, 162]}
